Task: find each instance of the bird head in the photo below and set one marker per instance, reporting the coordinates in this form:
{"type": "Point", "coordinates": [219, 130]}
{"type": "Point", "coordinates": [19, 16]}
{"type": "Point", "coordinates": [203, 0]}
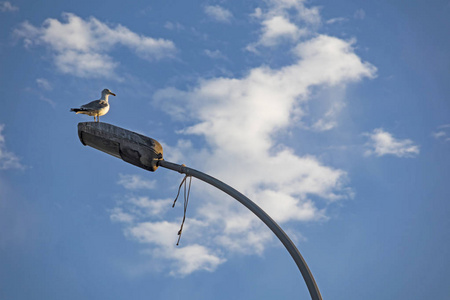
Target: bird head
{"type": "Point", "coordinates": [107, 92]}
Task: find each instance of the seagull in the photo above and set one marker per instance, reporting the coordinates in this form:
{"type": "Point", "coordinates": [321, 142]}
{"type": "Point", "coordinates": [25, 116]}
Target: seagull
{"type": "Point", "coordinates": [95, 108]}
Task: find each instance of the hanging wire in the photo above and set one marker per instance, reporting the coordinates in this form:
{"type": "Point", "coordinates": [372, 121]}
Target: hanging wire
{"type": "Point", "coordinates": [187, 192]}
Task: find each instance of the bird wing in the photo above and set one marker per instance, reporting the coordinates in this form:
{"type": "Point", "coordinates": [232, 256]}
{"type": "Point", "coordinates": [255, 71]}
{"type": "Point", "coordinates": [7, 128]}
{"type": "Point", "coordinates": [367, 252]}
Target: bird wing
{"type": "Point", "coordinates": [94, 105]}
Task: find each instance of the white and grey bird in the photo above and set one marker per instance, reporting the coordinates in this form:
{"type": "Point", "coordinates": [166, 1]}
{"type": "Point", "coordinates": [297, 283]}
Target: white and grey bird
{"type": "Point", "coordinates": [95, 108]}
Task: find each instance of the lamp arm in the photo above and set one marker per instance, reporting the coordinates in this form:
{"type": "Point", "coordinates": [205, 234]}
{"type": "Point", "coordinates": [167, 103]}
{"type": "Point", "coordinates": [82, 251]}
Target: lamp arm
{"type": "Point", "coordinates": [261, 214]}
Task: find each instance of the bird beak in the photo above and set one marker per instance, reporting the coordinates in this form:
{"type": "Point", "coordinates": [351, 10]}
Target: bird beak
{"type": "Point", "coordinates": [113, 94]}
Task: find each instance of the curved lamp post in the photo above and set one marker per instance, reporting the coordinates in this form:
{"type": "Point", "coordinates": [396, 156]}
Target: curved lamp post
{"type": "Point", "coordinates": [147, 153]}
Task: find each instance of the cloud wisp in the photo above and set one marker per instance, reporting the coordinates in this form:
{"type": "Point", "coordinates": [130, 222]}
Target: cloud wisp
{"type": "Point", "coordinates": [135, 182]}
{"type": "Point", "coordinates": [384, 143]}
{"type": "Point", "coordinates": [442, 133]}
{"type": "Point", "coordinates": [81, 47]}
{"type": "Point", "coordinates": [44, 84]}
{"type": "Point", "coordinates": [8, 160]}
{"type": "Point", "coordinates": [6, 6]}
{"type": "Point", "coordinates": [218, 13]}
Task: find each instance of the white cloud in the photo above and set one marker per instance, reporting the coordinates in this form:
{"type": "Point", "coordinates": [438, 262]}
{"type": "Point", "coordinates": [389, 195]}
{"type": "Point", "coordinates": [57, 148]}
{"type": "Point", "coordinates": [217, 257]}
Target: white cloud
{"type": "Point", "coordinates": [336, 20]}
{"type": "Point", "coordinates": [8, 160]}
{"type": "Point", "coordinates": [44, 84]}
{"type": "Point", "coordinates": [47, 100]}
{"type": "Point", "coordinates": [439, 134]}
{"type": "Point", "coordinates": [285, 20]}
{"type": "Point", "coordinates": [305, 14]}
{"type": "Point", "coordinates": [135, 182]}
{"type": "Point", "coordinates": [218, 13]}
{"type": "Point", "coordinates": [194, 258]}
{"type": "Point", "coordinates": [383, 143]}
{"type": "Point", "coordinates": [151, 207]}
{"type": "Point", "coordinates": [6, 6]}
{"type": "Point", "coordinates": [162, 236]}
{"type": "Point", "coordinates": [173, 26]}
{"type": "Point", "coordinates": [239, 118]}
{"type": "Point", "coordinates": [159, 233]}
{"type": "Point", "coordinates": [329, 119]}
{"type": "Point", "coordinates": [184, 259]}
{"type": "Point", "coordinates": [80, 47]}
{"type": "Point", "coordinates": [442, 133]}
{"type": "Point", "coordinates": [85, 64]}
{"type": "Point", "coordinates": [216, 54]}
{"type": "Point", "coordinates": [257, 13]}
{"type": "Point", "coordinates": [118, 215]}
{"type": "Point", "coordinates": [277, 28]}
{"type": "Point", "coordinates": [138, 208]}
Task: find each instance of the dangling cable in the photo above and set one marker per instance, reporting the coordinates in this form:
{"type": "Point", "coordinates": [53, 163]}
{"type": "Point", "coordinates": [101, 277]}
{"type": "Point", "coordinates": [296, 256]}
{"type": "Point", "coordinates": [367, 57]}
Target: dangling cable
{"type": "Point", "coordinates": [186, 202]}
{"type": "Point", "coordinates": [179, 189]}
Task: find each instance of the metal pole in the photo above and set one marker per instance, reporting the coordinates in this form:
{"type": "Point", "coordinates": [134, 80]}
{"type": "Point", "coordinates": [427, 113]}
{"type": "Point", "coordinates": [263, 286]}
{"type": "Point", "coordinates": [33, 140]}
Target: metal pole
{"type": "Point", "coordinates": [281, 235]}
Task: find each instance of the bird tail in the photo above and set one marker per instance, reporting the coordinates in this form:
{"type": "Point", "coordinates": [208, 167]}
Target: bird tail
{"type": "Point", "coordinates": [76, 110]}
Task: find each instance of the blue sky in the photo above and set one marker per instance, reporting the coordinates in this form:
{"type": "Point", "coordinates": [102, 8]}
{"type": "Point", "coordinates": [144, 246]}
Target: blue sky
{"type": "Point", "coordinates": [332, 116]}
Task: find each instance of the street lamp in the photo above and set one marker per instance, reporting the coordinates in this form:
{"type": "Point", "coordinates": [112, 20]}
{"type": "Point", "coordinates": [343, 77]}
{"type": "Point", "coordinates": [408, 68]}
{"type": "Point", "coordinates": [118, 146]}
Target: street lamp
{"type": "Point", "coordinates": [147, 153]}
